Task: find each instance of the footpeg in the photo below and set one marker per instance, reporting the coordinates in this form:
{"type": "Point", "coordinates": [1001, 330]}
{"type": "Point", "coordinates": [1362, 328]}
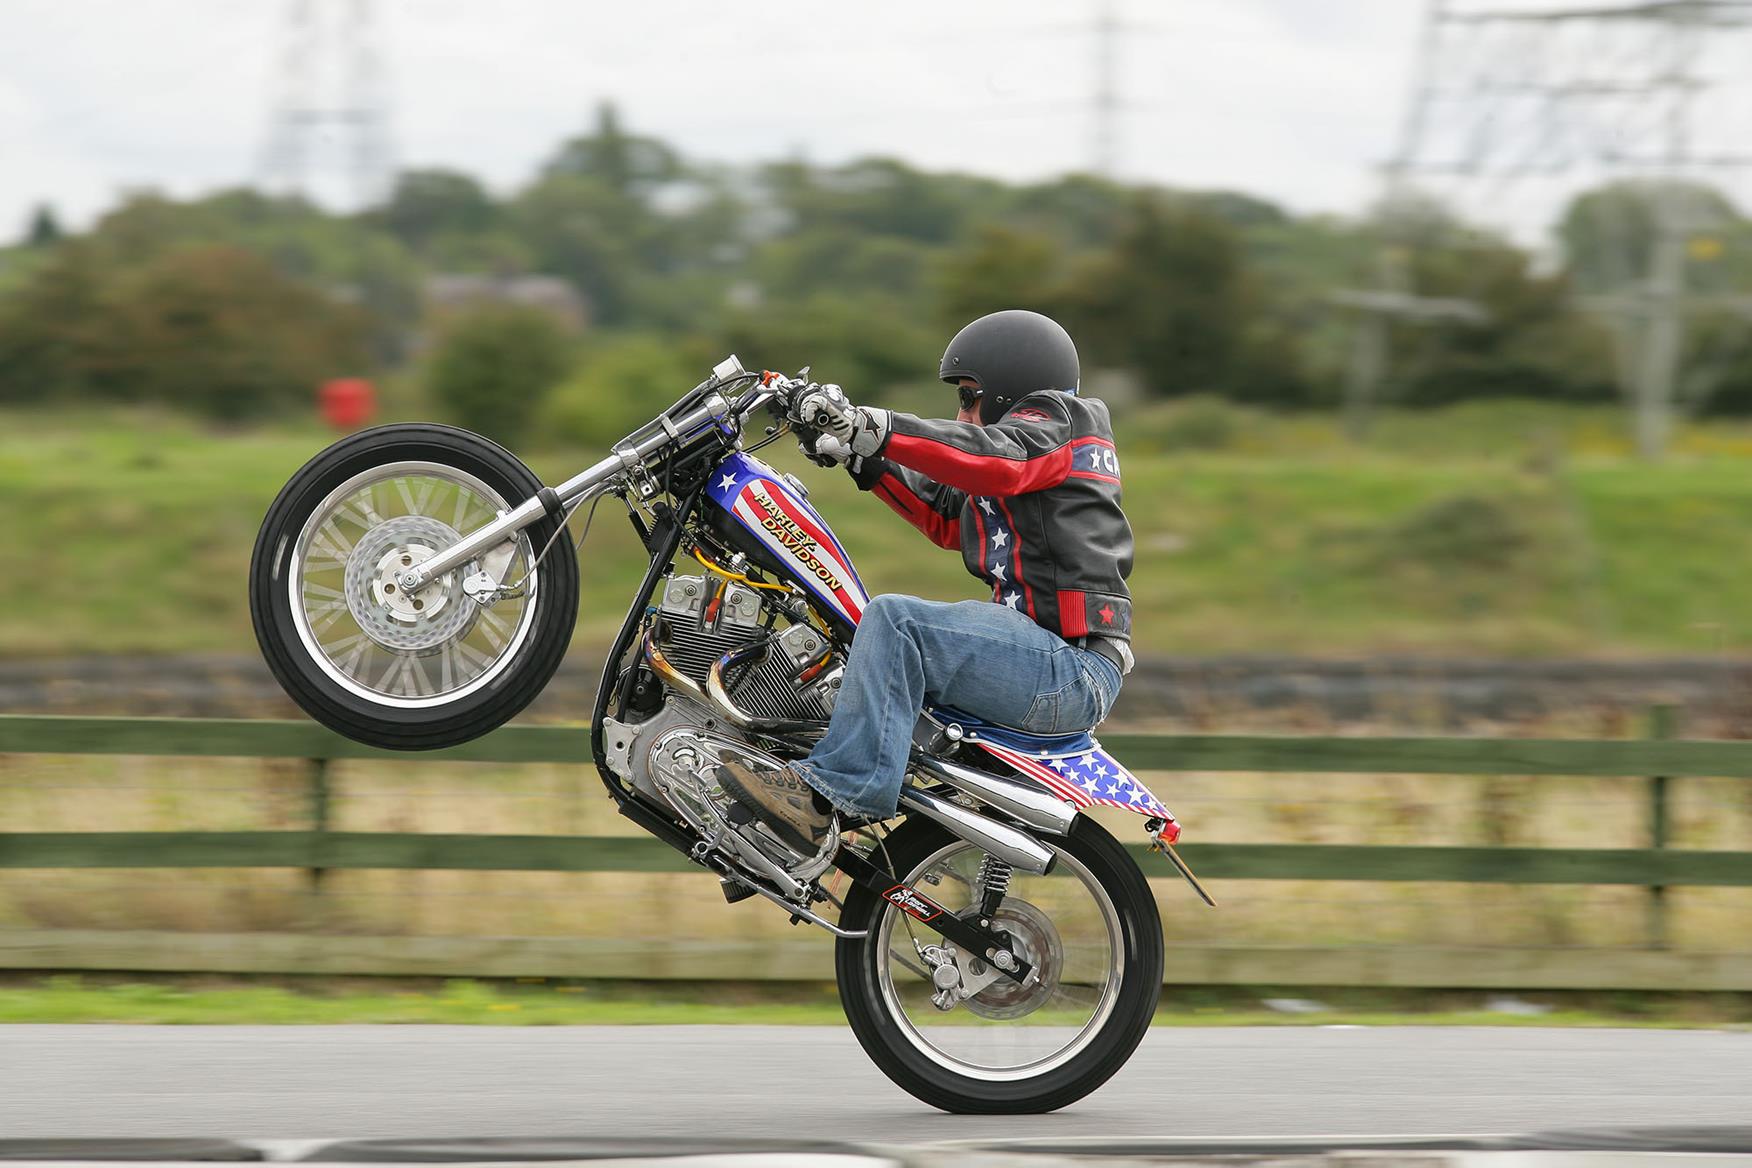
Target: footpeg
{"type": "Point", "coordinates": [734, 891]}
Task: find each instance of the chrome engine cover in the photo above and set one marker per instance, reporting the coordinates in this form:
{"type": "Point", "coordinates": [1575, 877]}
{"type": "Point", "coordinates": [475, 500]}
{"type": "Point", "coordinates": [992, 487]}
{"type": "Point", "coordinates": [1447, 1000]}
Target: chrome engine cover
{"type": "Point", "coordinates": [671, 758]}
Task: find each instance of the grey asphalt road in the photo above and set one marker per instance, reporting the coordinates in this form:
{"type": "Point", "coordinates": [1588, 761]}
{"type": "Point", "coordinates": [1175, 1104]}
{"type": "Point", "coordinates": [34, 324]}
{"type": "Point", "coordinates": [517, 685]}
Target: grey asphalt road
{"type": "Point", "coordinates": [311, 1082]}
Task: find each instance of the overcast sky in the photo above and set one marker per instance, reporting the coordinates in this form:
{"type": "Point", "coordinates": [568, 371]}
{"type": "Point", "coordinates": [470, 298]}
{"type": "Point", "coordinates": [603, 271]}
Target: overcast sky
{"type": "Point", "coordinates": [1295, 100]}
{"type": "Point", "coordinates": [1291, 99]}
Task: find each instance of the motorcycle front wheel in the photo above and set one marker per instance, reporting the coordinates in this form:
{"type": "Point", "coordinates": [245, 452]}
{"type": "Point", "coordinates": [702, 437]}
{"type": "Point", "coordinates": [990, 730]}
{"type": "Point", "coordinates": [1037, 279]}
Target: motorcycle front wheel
{"type": "Point", "coordinates": [1090, 930]}
{"type": "Point", "coordinates": [409, 672]}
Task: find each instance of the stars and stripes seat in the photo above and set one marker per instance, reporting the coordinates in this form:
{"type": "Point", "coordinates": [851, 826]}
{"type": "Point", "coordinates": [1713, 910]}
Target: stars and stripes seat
{"type": "Point", "coordinates": [1075, 767]}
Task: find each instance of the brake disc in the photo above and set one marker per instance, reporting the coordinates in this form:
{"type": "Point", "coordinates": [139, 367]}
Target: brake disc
{"type": "Point", "coordinates": [1037, 942]}
{"type": "Point", "coordinates": [437, 615]}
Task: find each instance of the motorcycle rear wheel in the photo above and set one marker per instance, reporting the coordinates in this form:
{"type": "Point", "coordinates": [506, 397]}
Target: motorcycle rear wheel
{"type": "Point", "coordinates": [421, 672]}
{"type": "Point", "coordinates": [1091, 929]}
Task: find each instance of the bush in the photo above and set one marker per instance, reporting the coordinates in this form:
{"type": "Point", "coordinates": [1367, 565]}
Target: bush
{"type": "Point", "coordinates": [210, 328]}
{"type": "Point", "coordinates": [622, 383]}
{"type": "Point", "coordinates": [494, 368]}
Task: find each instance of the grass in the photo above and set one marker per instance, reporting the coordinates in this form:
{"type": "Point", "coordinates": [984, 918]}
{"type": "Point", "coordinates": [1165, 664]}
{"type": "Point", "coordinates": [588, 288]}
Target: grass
{"type": "Point", "coordinates": [208, 1001]}
{"type": "Point", "coordinates": [1510, 529]}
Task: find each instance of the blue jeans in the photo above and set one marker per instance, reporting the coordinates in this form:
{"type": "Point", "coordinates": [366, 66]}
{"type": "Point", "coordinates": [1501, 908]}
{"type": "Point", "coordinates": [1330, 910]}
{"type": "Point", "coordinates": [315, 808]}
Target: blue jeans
{"type": "Point", "coordinates": [981, 657]}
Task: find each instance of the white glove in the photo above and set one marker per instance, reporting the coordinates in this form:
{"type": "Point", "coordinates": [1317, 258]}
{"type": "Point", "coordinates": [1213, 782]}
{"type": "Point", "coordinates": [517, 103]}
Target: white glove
{"type": "Point", "coordinates": [844, 427]}
{"type": "Point", "coordinates": [825, 451]}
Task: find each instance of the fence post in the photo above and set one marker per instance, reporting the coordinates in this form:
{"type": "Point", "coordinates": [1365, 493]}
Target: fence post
{"type": "Point", "coordinates": [1663, 721]}
{"type": "Point", "coordinates": [319, 816]}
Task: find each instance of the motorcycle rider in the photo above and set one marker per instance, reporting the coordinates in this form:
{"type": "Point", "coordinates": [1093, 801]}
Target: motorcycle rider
{"type": "Point", "coordinates": [1026, 483]}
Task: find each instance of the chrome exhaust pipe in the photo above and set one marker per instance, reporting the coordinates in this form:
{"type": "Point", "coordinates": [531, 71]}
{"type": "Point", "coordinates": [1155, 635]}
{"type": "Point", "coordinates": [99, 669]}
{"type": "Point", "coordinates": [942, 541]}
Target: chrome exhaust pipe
{"type": "Point", "coordinates": [1039, 809]}
{"type": "Point", "coordinates": [1015, 848]}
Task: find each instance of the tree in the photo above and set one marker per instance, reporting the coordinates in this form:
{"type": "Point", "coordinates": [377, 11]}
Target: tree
{"type": "Point", "coordinates": [426, 205]}
{"type": "Point", "coordinates": [1166, 300]}
{"type": "Point", "coordinates": [1531, 342]}
{"type": "Point", "coordinates": [620, 383]}
{"type": "Point", "coordinates": [213, 329]}
{"type": "Point", "coordinates": [493, 368]}
{"type": "Point", "coordinates": [630, 166]}
{"type": "Point", "coordinates": [1002, 268]}
{"type": "Point", "coordinates": [216, 329]}
{"type": "Point", "coordinates": [45, 228]}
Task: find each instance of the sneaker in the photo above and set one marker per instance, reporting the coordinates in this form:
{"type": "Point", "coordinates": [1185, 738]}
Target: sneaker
{"type": "Point", "coordinates": [781, 800]}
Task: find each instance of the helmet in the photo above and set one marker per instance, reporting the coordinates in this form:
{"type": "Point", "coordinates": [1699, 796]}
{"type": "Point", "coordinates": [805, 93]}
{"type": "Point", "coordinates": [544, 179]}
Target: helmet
{"type": "Point", "coordinates": [1011, 354]}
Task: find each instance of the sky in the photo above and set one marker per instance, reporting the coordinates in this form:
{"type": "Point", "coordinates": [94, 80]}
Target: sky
{"type": "Point", "coordinates": [1298, 101]}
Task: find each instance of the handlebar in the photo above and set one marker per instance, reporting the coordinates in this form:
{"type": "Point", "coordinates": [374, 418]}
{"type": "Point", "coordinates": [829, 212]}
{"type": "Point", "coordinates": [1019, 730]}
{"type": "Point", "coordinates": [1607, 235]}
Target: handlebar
{"type": "Point", "coordinates": [701, 410]}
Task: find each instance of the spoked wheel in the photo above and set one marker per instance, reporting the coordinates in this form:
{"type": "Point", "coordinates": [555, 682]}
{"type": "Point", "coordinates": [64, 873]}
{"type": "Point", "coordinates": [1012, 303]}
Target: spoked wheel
{"type": "Point", "coordinates": [1091, 931]}
{"type": "Point", "coordinates": [431, 669]}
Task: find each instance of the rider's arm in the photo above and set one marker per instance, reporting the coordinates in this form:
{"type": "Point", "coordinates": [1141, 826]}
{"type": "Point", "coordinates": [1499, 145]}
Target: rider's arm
{"type": "Point", "coordinates": [1029, 450]}
{"type": "Point", "coordinates": [931, 507]}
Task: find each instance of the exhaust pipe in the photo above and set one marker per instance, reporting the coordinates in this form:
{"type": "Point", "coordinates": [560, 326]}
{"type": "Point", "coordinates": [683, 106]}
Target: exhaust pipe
{"type": "Point", "coordinates": [1039, 809]}
{"type": "Point", "coordinates": [1015, 848]}
{"type": "Point", "coordinates": [716, 697]}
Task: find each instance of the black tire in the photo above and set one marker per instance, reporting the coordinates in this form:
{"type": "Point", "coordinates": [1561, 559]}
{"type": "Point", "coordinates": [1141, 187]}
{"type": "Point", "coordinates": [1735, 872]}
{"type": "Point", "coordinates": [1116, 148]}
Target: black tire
{"type": "Point", "coordinates": [884, 1037]}
{"type": "Point", "coordinates": [545, 629]}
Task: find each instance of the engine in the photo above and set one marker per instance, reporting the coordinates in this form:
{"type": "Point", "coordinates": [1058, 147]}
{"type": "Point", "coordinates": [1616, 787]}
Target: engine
{"type": "Point", "coordinates": [782, 670]}
{"type": "Point", "coordinates": [702, 620]}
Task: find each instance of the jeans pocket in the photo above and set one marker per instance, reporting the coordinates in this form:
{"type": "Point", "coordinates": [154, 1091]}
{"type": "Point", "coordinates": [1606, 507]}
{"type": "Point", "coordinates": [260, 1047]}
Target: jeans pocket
{"type": "Point", "coordinates": [1104, 680]}
{"type": "Point", "coordinates": [1043, 715]}
{"type": "Point", "coordinates": [1084, 704]}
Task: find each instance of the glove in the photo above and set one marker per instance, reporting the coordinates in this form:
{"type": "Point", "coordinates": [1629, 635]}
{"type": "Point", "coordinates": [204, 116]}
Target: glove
{"type": "Point", "coordinates": [845, 429]}
{"type": "Point", "coordinates": [813, 449]}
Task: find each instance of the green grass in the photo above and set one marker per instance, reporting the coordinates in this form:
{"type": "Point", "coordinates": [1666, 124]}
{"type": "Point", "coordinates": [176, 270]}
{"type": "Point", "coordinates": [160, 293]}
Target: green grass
{"type": "Point", "coordinates": [195, 1001]}
{"type": "Point", "coordinates": [1491, 529]}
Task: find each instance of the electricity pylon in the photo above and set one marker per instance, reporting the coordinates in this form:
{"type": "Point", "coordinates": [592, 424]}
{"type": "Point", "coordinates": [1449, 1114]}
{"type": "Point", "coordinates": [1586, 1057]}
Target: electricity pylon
{"type": "Point", "coordinates": [1507, 100]}
{"type": "Point", "coordinates": [330, 126]}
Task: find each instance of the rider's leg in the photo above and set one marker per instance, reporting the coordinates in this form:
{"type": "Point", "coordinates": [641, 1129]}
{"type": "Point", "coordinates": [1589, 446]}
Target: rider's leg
{"type": "Point", "coordinates": [985, 658]}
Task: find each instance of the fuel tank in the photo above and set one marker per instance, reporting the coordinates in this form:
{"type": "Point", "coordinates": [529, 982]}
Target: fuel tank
{"type": "Point", "coordinates": [767, 515]}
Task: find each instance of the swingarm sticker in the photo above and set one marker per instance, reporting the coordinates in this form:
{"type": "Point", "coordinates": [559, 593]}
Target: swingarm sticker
{"type": "Point", "coordinates": [913, 903]}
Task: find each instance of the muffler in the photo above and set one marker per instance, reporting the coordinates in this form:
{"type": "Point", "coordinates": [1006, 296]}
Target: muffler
{"type": "Point", "coordinates": [1015, 848]}
{"type": "Point", "coordinates": [1039, 809]}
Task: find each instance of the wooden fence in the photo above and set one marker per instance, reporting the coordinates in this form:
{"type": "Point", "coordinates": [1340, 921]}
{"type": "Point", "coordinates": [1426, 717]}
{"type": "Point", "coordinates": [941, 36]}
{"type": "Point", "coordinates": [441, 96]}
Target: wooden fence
{"type": "Point", "coordinates": [1654, 762]}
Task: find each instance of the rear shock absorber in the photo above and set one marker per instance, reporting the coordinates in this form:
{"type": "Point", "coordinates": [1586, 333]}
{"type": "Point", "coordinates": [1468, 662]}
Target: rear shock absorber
{"type": "Point", "coordinates": [993, 882]}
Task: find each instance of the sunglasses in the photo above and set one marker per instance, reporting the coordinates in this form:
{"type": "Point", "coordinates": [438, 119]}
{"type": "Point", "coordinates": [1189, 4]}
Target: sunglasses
{"type": "Point", "coordinates": [970, 396]}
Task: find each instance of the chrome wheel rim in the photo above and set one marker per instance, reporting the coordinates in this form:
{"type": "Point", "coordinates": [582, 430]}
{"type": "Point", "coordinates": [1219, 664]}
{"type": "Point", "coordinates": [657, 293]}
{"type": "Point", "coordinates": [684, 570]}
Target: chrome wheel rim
{"type": "Point", "coordinates": [1020, 1033]}
{"type": "Point", "coordinates": [408, 653]}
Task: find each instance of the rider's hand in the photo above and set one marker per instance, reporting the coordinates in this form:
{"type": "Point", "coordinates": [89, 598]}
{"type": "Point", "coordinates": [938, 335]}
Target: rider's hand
{"type": "Point", "coordinates": [845, 429]}
{"type": "Point", "coordinates": [822, 451]}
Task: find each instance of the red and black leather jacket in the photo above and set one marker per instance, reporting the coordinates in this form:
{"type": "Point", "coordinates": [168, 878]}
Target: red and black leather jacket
{"type": "Point", "coordinates": [1032, 501]}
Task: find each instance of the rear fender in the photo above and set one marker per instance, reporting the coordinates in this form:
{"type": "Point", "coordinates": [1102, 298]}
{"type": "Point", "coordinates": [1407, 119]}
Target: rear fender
{"type": "Point", "coordinates": [1088, 776]}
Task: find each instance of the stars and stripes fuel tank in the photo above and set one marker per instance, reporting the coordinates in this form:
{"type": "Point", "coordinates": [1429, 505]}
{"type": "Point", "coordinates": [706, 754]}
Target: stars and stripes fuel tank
{"type": "Point", "coordinates": [773, 515]}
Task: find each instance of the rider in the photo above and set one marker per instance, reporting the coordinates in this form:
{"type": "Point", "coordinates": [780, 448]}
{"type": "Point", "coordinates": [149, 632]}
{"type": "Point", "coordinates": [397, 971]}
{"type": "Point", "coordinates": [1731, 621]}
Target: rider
{"type": "Point", "coordinates": [1025, 483]}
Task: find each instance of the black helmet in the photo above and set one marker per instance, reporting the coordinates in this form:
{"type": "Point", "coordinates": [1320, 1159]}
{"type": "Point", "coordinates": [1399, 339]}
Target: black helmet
{"type": "Point", "coordinates": [1011, 354]}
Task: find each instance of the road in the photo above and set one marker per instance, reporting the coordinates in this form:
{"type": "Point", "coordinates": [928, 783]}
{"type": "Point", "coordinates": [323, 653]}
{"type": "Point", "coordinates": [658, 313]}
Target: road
{"type": "Point", "coordinates": [311, 1082]}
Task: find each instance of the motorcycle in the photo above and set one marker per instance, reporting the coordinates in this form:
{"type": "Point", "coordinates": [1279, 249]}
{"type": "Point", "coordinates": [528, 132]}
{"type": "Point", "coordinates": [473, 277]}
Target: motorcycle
{"type": "Point", "coordinates": [415, 586]}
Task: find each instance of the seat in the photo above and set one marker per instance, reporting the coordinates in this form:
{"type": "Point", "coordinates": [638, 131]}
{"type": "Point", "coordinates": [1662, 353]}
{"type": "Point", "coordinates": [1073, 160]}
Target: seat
{"type": "Point", "coordinates": [1020, 740]}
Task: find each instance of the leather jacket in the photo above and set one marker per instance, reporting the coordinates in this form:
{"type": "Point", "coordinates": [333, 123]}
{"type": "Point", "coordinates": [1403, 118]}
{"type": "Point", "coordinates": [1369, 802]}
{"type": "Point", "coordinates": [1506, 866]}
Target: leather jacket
{"type": "Point", "coordinates": [1032, 500]}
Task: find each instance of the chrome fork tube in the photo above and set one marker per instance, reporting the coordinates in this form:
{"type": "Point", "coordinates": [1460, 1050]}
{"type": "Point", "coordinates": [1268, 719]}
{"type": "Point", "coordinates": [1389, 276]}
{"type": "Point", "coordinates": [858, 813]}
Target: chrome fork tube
{"type": "Point", "coordinates": [592, 481]}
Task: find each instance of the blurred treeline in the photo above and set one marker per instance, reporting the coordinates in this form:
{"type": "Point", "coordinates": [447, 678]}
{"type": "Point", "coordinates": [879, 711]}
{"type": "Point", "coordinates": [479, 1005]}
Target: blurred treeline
{"type": "Point", "coordinates": [570, 308]}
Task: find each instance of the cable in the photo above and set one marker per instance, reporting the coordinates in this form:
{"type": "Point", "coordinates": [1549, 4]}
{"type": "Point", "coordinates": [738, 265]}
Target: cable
{"type": "Point", "coordinates": [737, 576]}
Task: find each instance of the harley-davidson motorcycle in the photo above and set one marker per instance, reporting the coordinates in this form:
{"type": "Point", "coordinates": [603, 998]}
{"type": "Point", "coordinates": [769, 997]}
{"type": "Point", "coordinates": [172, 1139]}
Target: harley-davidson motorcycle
{"type": "Point", "coordinates": [414, 586]}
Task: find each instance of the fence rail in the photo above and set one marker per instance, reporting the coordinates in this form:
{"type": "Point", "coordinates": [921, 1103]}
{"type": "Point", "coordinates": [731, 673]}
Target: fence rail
{"type": "Point", "coordinates": [1653, 762]}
